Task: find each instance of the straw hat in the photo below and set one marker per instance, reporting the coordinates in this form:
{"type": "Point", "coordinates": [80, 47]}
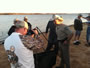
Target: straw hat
{"type": "Point", "coordinates": [58, 19]}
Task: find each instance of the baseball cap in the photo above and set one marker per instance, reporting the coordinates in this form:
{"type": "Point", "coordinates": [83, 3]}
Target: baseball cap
{"type": "Point", "coordinates": [80, 15]}
{"type": "Point", "coordinates": [21, 24]}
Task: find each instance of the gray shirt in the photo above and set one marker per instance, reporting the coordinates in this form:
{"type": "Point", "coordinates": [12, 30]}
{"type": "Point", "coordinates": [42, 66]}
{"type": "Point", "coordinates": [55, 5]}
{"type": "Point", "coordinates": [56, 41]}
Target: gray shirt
{"type": "Point", "coordinates": [62, 31]}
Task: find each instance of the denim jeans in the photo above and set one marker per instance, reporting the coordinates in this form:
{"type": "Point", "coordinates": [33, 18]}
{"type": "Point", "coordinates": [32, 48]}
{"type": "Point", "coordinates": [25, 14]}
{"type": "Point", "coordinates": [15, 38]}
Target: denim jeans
{"type": "Point", "coordinates": [88, 34]}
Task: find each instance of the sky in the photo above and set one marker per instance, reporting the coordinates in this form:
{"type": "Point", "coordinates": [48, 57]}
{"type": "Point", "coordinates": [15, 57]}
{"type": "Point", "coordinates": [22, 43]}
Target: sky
{"type": "Point", "coordinates": [44, 6]}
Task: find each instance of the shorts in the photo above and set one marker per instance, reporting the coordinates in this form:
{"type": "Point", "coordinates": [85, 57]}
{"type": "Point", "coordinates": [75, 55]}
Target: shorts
{"type": "Point", "coordinates": [78, 32]}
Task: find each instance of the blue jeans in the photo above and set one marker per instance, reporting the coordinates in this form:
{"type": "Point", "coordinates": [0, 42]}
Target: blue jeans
{"type": "Point", "coordinates": [88, 34]}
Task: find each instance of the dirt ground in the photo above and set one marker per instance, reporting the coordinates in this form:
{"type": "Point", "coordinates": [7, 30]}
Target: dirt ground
{"type": "Point", "coordinates": [79, 54]}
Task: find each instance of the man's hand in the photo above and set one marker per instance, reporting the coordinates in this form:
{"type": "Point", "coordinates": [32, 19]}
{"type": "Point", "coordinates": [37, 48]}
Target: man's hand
{"type": "Point", "coordinates": [66, 42]}
{"type": "Point", "coordinates": [46, 34]}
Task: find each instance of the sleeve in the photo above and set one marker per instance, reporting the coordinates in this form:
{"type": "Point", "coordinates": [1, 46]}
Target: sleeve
{"type": "Point", "coordinates": [67, 31]}
{"type": "Point", "coordinates": [47, 27]}
{"type": "Point", "coordinates": [31, 43]}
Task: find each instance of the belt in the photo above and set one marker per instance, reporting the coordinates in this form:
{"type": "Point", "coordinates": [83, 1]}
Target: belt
{"type": "Point", "coordinates": [62, 40]}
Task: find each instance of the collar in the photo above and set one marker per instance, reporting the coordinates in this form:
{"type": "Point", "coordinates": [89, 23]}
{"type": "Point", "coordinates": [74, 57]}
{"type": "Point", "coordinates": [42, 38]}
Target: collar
{"type": "Point", "coordinates": [15, 33]}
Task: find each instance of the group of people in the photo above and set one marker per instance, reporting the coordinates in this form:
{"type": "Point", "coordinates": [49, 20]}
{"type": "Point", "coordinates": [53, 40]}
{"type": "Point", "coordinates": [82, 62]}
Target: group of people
{"type": "Point", "coordinates": [59, 38]}
{"type": "Point", "coordinates": [78, 26]}
{"type": "Point", "coordinates": [30, 30]}
{"type": "Point", "coordinates": [21, 36]}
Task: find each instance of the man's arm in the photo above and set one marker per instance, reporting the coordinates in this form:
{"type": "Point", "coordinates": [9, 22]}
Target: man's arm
{"type": "Point", "coordinates": [69, 34]}
{"type": "Point", "coordinates": [47, 27]}
{"type": "Point", "coordinates": [70, 37]}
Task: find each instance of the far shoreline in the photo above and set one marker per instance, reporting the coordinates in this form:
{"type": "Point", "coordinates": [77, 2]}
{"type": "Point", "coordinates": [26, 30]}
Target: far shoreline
{"type": "Point", "coordinates": [38, 13]}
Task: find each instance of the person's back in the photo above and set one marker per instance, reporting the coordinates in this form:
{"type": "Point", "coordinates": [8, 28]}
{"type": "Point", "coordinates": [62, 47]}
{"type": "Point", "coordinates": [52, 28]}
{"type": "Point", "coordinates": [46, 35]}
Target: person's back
{"type": "Point", "coordinates": [25, 55]}
{"type": "Point", "coordinates": [52, 38]}
{"type": "Point", "coordinates": [62, 31]}
{"type": "Point", "coordinates": [64, 35]}
{"type": "Point", "coordinates": [78, 24]}
{"type": "Point", "coordinates": [52, 34]}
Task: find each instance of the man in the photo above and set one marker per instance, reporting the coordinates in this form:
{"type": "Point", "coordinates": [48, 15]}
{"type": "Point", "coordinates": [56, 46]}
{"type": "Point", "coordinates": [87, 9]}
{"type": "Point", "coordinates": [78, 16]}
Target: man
{"type": "Point", "coordinates": [64, 35]}
{"type": "Point", "coordinates": [52, 39]}
{"type": "Point", "coordinates": [12, 29]}
{"type": "Point", "coordinates": [78, 28]}
{"type": "Point", "coordinates": [25, 55]}
{"type": "Point", "coordinates": [88, 29]}
{"type": "Point", "coordinates": [29, 32]}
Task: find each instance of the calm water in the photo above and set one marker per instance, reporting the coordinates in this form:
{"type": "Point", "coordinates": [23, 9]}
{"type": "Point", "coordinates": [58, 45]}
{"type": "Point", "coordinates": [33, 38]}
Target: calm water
{"type": "Point", "coordinates": [6, 21]}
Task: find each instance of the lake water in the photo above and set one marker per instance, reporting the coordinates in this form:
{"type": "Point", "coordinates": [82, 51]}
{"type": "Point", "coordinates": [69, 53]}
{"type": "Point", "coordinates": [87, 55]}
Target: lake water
{"type": "Point", "coordinates": [6, 21]}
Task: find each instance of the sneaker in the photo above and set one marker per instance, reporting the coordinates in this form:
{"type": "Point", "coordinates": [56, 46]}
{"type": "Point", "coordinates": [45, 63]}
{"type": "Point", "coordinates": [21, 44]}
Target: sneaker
{"type": "Point", "coordinates": [76, 43]}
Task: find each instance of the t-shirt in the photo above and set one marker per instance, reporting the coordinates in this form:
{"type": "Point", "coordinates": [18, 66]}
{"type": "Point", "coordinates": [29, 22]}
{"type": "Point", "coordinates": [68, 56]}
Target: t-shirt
{"type": "Point", "coordinates": [25, 56]}
{"type": "Point", "coordinates": [62, 31]}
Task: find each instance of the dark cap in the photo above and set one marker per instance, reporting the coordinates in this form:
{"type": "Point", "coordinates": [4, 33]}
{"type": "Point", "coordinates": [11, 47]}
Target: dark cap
{"type": "Point", "coordinates": [80, 15]}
